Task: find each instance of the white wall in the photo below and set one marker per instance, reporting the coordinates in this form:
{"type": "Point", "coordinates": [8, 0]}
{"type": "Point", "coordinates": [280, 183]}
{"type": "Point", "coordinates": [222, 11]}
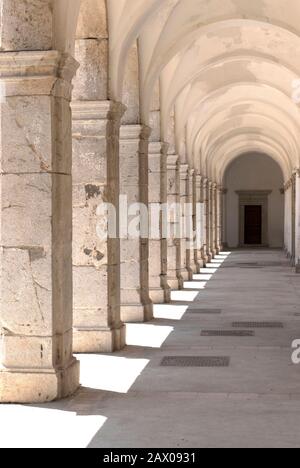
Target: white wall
{"type": "Point", "coordinates": [255, 172]}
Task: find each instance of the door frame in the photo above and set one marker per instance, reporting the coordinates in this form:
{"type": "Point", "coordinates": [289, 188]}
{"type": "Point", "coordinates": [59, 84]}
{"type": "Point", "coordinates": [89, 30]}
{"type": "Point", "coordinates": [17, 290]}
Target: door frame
{"type": "Point", "coordinates": [259, 198]}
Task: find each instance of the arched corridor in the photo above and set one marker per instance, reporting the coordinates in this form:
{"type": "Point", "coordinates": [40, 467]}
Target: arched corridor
{"type": "Point", "coordinates": [150, 194]}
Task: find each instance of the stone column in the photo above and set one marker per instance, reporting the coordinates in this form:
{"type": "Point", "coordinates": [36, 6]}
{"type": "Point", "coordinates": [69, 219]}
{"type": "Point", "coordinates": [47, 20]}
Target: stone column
{"type": "Point", "coordinates": [190, 222]}
{"type": "Point", "coordinates": [209, 222]}
{"type": "Point", "coordinates": [213, 219]}
{"type": "Point", "coordinates": [36, 360]}
{"type": "Point", "coordinates": [159, 289]}
{"type": "Point", "coordinates": [96, 248]}
{"type": "Point", "coordinates": [294, 228]}
{"type": "Point", "coordinates": [297, 221]}
{"type": "Point", "coordinates": [197, 222]}
{"type": "Point", "coordinates": [173, 199]}
{"type": "Point", "coordinates": [136, 305]}
{"type": "Point", "coordinates": [183, 269]}
{"type": "Point", "coordinates": [289, 216]}
{"type": "Point", "coordinates": [218, 219]}
{"type": "Point", "coordinates": [205, 230]}
{"type": "Point", "coordinates": [224, 218]}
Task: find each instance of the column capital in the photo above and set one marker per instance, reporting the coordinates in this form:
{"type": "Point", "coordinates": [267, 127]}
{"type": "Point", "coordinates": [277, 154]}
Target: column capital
{"type": "Point", "coordinates": [157, 147]}
{"type": "Point", "coordinates": [134, 132]}
{"type": "Point", "coordinates": [172, 161]}
{"type": "Point", "coordinates": [184, 170]}
{"type": "Point", "coordinates": [288, 184]}
{"type": "Point", "coordinates": [204, 181]}
{"type": "Point", "coordinates": [198, 178]}
{"type": "Point", "coordinates": [297, 172]}
{"type": "Point", "coordinates": [97, 110]}
{"type": "Point", "coordinates": [37, 73]}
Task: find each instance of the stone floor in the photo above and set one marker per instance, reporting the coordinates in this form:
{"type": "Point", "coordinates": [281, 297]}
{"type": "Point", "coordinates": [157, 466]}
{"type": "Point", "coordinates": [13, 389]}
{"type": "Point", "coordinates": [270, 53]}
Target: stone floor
{"type": "Point", "coordinates": [130, 400]}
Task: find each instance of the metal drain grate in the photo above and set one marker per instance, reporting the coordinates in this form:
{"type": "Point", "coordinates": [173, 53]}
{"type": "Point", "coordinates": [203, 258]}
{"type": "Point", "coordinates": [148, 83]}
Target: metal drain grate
{"type": "Point", "coordinates": [195, 361]}
{"type": "Point", "coordinates": [257, 325]}
{"type": "Point", "coordinates": [205, 311]}
{"type": "Point", "coordinates": [229, 333]}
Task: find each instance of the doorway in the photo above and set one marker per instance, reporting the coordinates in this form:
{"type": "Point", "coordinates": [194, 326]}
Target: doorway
{"type": "Point", "coordinates": [253, 225]}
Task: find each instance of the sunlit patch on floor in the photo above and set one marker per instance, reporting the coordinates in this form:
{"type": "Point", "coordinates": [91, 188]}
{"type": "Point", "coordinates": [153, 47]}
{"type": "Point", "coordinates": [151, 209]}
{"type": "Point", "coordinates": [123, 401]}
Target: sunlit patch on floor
{"type": "Point", "coordinates": [109, 373]}
{"type": "Point", "coordinates": [195, 284]}
{"type": "Point", "coordinates": [184, 296]}
{"type": "Point", "coordinates": [202, 277]}
{"type": "Point", "coordinates": [32, 427]}
{"type": "Point", "coordinates": [147, 336]}
{"type": "Point", "coordinates": [169, 311]}
{"type": "Point", "coordinates": [211, 270]}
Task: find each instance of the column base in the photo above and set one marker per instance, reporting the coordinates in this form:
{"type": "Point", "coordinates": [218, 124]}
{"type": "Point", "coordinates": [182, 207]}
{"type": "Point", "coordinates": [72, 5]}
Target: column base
{"type": "Point", "coordinates": [204, 257]}
{"type": "Point", "coordinates": [174, 284]}
{"type": "Point", "coordinates": [38, 387]}
{"type": "Point", "coordinates": [158, 295]}
{"type": "Point", "coordinates": [199, 265]}
{"type": "Point", "coordinates": [184, 274]}
{"type": "Point", "coordinates": [102, 340]}
{"type": "Point", "coordinates": [209, 256]}
{"type": "Point", "coordinates": [194, 268]}
{"type": "Point", "coordinates": [136, 313]}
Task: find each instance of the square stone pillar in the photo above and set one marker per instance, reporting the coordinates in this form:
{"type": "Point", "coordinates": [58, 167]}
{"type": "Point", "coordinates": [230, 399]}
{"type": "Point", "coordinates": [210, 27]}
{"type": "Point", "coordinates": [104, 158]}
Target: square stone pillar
{"type": "Point", "coordinates": [209, 239]}
{"type": "Point", "coordinates": [294, 218]}
{"type": "Point", "coordinates": [198, 221]}
{"type": "Point", "coordinates": [96, 248]}
{"type": "Point", "coordinates": [213, 231]}
{"type": "Point", "coordinates": [136, 305]}
{"type": "Point", "coordinates": [191, 225]}
{"type": "Point", "coordinates": [183, 269]}
{"type": "Point", "coordinates": [205, 220]}
{"type": "Point", "coordinates": [224, 242]}
{"type": "Point", "coordinates": [36, 358]}
{"type": "Point", "coordinates": [173, 198]}
{"type": "Point", "coordinates": [297, 221]}
{"type": "Point", "coordinates": [219, 218]}
{"type": "Point", "coordinates": [159, 289]}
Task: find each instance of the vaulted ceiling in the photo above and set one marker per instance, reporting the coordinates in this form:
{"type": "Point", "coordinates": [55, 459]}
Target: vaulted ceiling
{"type": "Point", "coordinates": [229, 69]}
